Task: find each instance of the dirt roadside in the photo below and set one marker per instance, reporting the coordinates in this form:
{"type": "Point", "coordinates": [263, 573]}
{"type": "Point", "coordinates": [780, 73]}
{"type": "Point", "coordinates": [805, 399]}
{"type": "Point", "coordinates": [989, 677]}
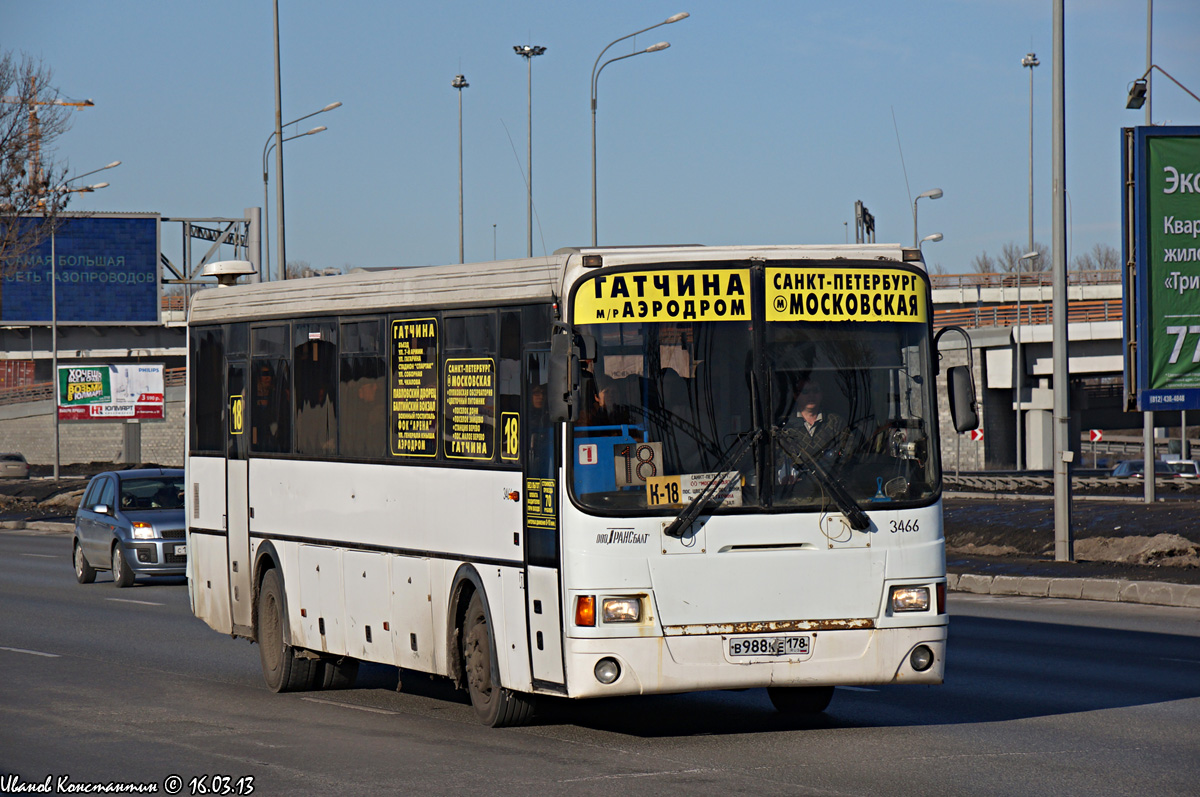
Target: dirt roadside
{"type": "Point", "coordinates": [1113, 538]}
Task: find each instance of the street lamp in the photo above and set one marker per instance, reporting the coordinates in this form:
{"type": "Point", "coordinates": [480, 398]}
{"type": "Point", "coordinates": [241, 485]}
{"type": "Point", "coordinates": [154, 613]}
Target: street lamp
{"type": "Point", "coordinates": [460, 83]}
{"type": "Point", "coordinates": [1030, 61]}
{"type": "Point", "coordinates": [596, 76]}
{"type": "Point", "coordinates": [935, 193]}
{"type": "Point", "coordinates": [934, 238]}
{"type": "Point", "coordinates": [267, 147]}
{"type": "Point", "coordinates": [63, 189]}
{"type": "Point", "coordinates": [528, 52]}
{"type": "Point", "coordinates": [1019, 375]}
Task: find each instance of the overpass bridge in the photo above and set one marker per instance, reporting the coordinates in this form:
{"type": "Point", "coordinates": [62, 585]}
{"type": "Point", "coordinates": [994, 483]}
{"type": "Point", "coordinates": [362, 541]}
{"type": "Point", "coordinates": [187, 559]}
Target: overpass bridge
{"type": "Point", "coordinates": [997, 311]}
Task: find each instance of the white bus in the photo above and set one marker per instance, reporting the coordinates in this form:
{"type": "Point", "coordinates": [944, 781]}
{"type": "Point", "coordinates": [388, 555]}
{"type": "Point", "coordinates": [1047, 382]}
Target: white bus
{"type": "Point", "coordinates": [611, 471]}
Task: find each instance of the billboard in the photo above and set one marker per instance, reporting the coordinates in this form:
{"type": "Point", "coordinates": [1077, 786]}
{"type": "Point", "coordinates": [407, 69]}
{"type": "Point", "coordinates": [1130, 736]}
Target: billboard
{"type": "Point", "coordinates": [105, 269]}
{"type": "Point", "coordinates": [95, 392]}
{"type": "Point", "coordinates": [1162, 218]}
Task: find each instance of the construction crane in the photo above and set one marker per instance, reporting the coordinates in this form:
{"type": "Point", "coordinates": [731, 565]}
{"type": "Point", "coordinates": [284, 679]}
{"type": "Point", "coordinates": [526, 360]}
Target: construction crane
{"type": "Point", "coordinates": [34, 165]}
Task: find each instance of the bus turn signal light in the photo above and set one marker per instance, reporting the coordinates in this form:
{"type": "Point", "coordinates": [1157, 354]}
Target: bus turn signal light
{"type": "Point", "coordinates": [585, 610]}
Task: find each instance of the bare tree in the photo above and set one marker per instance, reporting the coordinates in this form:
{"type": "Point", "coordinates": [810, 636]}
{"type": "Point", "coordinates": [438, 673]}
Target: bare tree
{"type": "Point", "coordinates": [32, 117]}
{"type": "Point", "coordinates": [1102, 258]}
{"type": "Point", "coordinates": [1009, 260]}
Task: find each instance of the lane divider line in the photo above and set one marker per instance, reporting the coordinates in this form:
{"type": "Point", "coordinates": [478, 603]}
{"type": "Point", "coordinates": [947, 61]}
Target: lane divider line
{"type": "Point", "coordinates": [32, 652]}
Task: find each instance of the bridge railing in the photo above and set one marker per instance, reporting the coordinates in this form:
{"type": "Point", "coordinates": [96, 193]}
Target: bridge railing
{"type": "Point", "coordinates": [1029, 279]}
{"type": "Point", "coordinates": [44, 391]}
{"type": "Point", "coordinates": [1005, 315]}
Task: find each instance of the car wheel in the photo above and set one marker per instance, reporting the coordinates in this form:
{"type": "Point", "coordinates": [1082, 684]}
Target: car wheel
{"type": "Point", "coordinates": [800, 699]}
{"type": "Point", "coordinates": [282, 670]}
{"type": "Point", "coordinates": [84, 572]}
{"type": "Point", "coordinates": [494, 705]}
{"type": "Point", "coordinates": [122, 575]}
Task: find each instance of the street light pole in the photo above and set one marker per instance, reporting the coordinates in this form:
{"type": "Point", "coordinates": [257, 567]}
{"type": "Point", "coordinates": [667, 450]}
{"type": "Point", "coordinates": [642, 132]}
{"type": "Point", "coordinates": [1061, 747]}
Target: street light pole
{"type": "Point", "coordinates": [596, 76]}
{"type": "Point", "coordinates": [1030, 60]}
{"type": "Point", "coordinates": [460, 83]}
{"type": "Point", "coordinates": [935, 193]}
{"type": "Point", "coordinates": [279, 242]}
{"type": "Point", "coordinates": [54, 299]}
{"type": "Point", "coordinates": [528, 51]}
{"type": "Point", "coordinates": [1019, 371]}
{"type": "Point", "coordinates": [267, 147]}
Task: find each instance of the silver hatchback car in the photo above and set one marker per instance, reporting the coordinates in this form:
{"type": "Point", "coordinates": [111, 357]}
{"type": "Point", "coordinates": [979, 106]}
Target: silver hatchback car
{"type": "Point", "coordinates": [131, 522]}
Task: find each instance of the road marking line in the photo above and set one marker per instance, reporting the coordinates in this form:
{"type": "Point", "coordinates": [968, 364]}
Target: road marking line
{"type": "Point", "coordinates": [348, 705]}
{"type": "Point", "coordinates": [32, 652]}
{"type": "Point", "coordinates": [41, 555]}
{"type": "Point", "coordinates": [1185, 661]}
{"type": "Point", "coordinates": [858, 689]}
{"type": "Point", "coordinates": [130, 600]}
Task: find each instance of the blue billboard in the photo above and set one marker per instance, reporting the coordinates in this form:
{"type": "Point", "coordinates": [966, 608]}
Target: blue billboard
{"type": "Point", "coordinates": [106, 271]}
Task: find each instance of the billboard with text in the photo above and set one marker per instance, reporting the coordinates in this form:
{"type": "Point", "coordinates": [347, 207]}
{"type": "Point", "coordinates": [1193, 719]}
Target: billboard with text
{"type": "Point", "coordinates": [95, 392]}
{"type": "Point", "coordinates": [105, 269]}
{"type": "Point", "coordinates": [1163, 230]}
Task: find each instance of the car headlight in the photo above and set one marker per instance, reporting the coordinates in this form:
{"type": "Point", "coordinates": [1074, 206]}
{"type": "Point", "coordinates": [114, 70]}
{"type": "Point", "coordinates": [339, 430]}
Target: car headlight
{"type": "Point", "coordinates": [910, 599]}
{"type": "Point", "coordinates": [143, 531]}
{"type": "Point", "coordinates": [622, 610]}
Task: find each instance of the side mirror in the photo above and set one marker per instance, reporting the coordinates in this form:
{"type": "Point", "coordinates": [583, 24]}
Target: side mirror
{"type": "Point", "coordinates": [102, 509]}
{"type": "Point", "coordinates": [960, 391]}
{"type": "Point", "coordinates": [564, 379]}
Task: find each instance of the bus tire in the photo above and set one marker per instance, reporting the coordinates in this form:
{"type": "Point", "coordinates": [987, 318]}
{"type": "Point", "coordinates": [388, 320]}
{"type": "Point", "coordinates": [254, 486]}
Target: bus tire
{"type": "Point", "coordinates": [122, 575]}
{"type": "Point", "coordinates": [340, 673]}
{"type": "Point", "coordinates": [495, 706]}
{"type": "Point", "coordinates": [800, 699]}
{"type": "Point", "coordinates": [84, 572]}
{"type": "Point", "coordinates": [282, 669]}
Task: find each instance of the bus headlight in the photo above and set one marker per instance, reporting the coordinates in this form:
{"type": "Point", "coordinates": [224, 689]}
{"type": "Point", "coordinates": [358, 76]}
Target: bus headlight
{"type": "Point", "coordinates": [622, 610]}
{"type": "Point", "coordinates": [910, 599]}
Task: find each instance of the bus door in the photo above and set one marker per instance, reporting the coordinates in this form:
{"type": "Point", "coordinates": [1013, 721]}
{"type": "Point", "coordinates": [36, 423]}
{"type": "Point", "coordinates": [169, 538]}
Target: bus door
{"type": "Point", "coordinates": [237, 494]}
{"type": "Point", "coordinates": [542, 588]}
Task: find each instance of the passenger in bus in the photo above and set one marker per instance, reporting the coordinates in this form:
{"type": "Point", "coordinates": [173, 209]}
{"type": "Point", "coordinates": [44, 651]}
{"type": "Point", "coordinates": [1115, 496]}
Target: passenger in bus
{"type": "Point", "coordinates": [604, 409]}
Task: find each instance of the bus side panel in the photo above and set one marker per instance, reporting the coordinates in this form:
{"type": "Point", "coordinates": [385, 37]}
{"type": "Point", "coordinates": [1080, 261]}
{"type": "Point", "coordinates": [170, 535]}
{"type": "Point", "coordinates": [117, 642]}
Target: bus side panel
{"type": "Point", "coordinates": [205, 507]}
{"type": "Point", "coordinates": [413, 642]}
{"type": "Point", "coordinates": [406, 508]}
{"type": "Point", "coordinates": [208, 561]}
{"type": "Point", "coordinates": [546, 625]}
{"type": "Point", "coordinates": [514, 665]}
{"type": "Point", "coordinates": [365, 579]}
{"type": "Point", "coordinates": [208, 576]}
{"type": "Point", "coordinates": [320, 599]}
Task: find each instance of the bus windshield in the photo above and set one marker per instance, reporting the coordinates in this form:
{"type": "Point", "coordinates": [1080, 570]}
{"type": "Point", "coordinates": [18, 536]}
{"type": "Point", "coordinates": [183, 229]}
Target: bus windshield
{"type": "Point", "coordinates": [670, 407]}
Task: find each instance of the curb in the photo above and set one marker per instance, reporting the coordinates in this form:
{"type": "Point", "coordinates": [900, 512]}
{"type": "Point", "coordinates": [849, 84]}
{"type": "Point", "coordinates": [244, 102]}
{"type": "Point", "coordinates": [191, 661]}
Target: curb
{"type": "Point", "coordinates": [1154, 593]}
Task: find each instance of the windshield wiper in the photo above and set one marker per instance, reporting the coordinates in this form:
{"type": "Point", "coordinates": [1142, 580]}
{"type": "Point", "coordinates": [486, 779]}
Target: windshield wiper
{"type": "Point", "coordinates": [684, 519]}
{"type": "Point", "coordinates": [850, 508]}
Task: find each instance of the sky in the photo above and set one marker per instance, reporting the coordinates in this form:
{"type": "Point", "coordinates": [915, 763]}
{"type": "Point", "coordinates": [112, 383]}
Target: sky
{"type": "Point", "coordinates": [763, 122]}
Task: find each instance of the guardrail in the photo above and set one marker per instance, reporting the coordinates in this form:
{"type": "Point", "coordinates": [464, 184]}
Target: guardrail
{"type": "Point", "coordinates": [44, 391]}
{"type": "Point", "coordinates": [1008, 279]}
{"type": "Point", "coordinates": [1005, 315]}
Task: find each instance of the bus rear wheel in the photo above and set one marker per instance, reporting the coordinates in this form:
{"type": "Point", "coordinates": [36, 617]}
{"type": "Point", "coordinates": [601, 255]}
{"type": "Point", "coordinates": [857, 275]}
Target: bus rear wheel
{"type": "Point", "coordinates": [282, 670]}
{"type": "Point", "coordinates": [495, 706]}
{"type": "Point", "coordinates": [800, 699]}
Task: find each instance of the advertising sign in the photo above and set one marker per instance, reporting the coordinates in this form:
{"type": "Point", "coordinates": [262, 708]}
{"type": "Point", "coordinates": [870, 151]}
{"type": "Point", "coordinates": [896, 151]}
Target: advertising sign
{"type": "Point", "coordinates": [105, 271]}
{"type": "Point", "coordinates": [1166, 241]}
{"type": "Point", "coordinates": [91, 392]}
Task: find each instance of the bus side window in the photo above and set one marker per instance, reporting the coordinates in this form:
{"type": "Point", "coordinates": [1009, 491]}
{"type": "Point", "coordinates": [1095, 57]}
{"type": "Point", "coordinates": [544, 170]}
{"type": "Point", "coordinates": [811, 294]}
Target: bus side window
{"type": "Point", "coordinates": [362, 387]}
{"type": "Point", "coordinates": [271, 391]}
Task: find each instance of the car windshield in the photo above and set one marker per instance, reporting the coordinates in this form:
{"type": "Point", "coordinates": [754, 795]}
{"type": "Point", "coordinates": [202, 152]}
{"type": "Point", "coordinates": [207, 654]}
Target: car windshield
{"type": "Point", "coordinates": [152, 492]}
{"type": "Point", "coordinates": [668, 404]}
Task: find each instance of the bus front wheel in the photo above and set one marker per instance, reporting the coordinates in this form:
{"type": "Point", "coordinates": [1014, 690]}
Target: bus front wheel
{"type": "Point", "coordinates": [282, 670]}
{"type": "Point", "coordinates": [495, 706]}
{"type": "Point", "coordinates": [800, 699]}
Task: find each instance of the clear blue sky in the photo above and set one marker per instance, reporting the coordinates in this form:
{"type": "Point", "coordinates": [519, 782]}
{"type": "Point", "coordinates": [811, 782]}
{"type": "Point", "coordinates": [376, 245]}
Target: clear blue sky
{"type": "Point", "coordinates": [762, 123]}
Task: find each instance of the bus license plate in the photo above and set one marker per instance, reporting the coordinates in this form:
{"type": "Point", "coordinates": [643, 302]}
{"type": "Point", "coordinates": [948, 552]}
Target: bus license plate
{"type": "Point", "coordinates": [770, 646]}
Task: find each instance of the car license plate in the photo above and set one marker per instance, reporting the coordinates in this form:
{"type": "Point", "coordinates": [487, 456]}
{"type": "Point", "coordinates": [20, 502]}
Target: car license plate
{"type": "Point", "coordinates": [770, 646]}
{"type": "Point", "coordinates": [181, 550]}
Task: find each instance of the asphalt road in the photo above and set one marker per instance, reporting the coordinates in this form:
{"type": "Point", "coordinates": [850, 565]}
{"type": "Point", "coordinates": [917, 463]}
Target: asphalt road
{"type": "Point", "coordinates": [101, 685]}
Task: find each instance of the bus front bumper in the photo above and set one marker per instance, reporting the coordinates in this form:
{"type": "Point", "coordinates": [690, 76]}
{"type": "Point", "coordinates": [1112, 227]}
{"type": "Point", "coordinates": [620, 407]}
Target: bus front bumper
{"type": "Point", "coordinates": [655, 665]}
